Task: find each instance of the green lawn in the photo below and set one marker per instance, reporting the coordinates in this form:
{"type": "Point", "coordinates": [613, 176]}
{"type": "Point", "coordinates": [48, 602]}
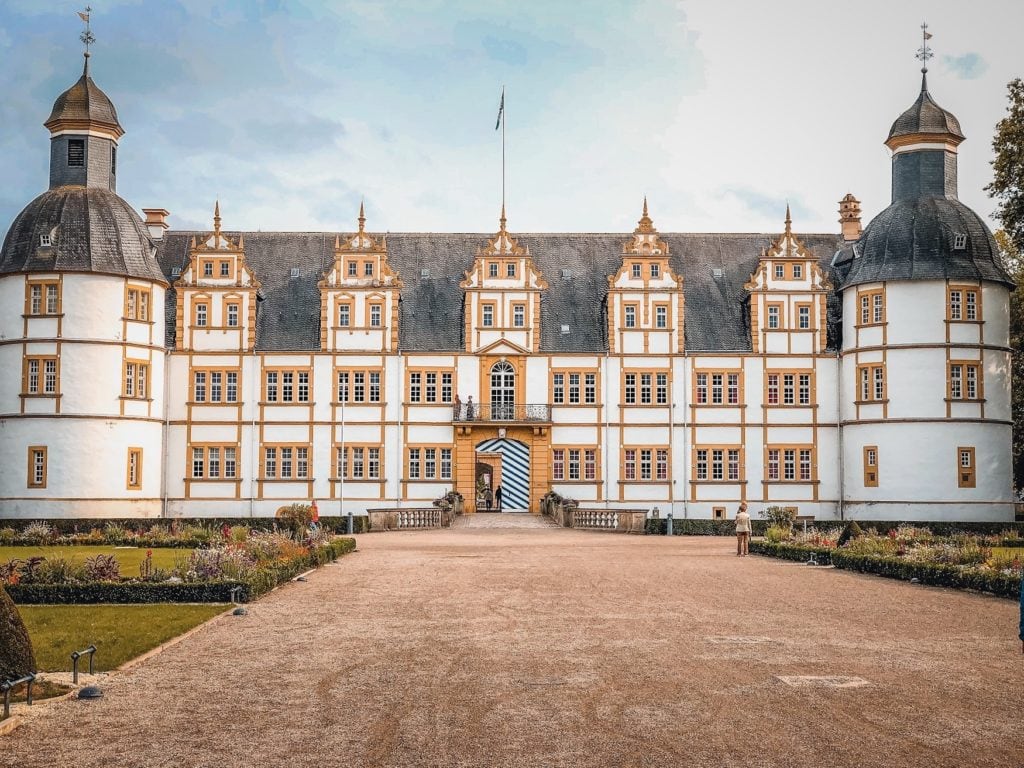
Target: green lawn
{"type": "Point", "coordinates": [129, 557]}
{"type": "Point", "coordinates": [119, 632]}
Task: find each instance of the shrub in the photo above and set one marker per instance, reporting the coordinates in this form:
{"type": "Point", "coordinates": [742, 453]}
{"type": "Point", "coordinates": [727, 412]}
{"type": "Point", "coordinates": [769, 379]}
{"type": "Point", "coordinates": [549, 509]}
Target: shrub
{"type": "Point", "coordinates": [115, 533]}
{"type": "Point", "coordinates": [295, 517]}
{"type": "Point", "coordinates": [7, 536]}
{"type": "Point", "coordinates": [238, 533]}
{"type": "Point", "coordinates": [852, 531]}
{"type": "Point", "coordinates": [937, 574]}
{"type": "Point", "coordinates": [16, 656]}
{"type": "Point", "coordinates": [800, 553]}
{"type": "Point", "coordinates": [102, 568]}
{"type": "Point", "coordinates": [59, 570]}
{"type": "Point", "coordinates": [781, 517]}
{"type": "Point", "coordinates": [777, 533]}
{"type": "Point", "coordinates": [38, 532]}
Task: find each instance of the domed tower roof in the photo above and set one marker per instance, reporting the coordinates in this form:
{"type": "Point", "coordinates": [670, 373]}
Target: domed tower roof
{"type": "Point", "coordinates": [925, 116]}
{"type": "Point", "coordinates": [88, 229]}
{"type": "Point", "coordinates": [84, 105]}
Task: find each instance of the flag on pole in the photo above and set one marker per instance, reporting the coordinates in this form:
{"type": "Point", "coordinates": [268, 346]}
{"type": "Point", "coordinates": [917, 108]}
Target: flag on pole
{"type": "Point", "coordinates": [927, 35]}
{"type": "Point", "coordinates": [501, 110]}
{"type": "Point", "coordinates": [84, 17]}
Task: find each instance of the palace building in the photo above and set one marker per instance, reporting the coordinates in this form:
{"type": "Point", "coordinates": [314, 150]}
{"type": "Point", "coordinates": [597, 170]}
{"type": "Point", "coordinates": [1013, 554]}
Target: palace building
{"type": "Point", "coordinates": [146, 372]}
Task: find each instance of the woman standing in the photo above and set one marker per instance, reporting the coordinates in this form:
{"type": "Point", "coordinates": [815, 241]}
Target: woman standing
{"type": "Point", "coordinates": [742, 530]}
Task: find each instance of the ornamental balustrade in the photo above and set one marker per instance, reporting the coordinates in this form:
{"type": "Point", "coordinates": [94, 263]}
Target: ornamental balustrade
{"type": "Point", "coordinates": [601, 519]}
{"type": "Point", "coordinates": [502, 412]}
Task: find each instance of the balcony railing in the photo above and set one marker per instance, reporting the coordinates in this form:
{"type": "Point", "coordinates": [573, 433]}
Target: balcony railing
{"type": "Point", "coordinates": [467, 412]}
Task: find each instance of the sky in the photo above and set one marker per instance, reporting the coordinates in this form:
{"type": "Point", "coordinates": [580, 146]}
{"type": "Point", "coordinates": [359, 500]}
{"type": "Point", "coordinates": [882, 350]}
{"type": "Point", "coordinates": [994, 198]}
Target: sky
{"type": "Point", "coordinates": [291, 112]}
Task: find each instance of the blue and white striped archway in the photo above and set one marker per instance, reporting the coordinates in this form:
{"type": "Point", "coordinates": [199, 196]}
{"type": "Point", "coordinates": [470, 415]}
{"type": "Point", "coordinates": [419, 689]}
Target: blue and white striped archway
{"type": "Point", "coordinates": [515, 472]}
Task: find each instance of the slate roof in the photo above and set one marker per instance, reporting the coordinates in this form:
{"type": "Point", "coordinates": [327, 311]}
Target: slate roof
{"type": "Point", "coordinates": [84, 101]}
{"type": "Point", "coordinates": [717, 314]}
{"type": "Point", "coordinates": [914, 239]}
{"type": "Point", "coordinates": [94, 230]}
{"type": "Point", "coordinates": [925, 116]}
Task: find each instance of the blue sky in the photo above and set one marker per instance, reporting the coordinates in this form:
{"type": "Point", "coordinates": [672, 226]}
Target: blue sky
{"type": "Point", "coordinates": [291, 111]}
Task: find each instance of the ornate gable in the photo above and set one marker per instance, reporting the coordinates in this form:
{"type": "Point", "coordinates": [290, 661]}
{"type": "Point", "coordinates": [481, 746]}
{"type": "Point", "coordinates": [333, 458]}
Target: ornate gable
{"type": "Point", "coordinates": [775, 266]}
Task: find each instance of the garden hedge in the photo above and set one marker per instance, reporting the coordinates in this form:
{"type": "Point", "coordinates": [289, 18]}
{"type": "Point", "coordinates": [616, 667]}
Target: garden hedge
{"type": "Point", "coordinates": [705, 527]}
{"type": "Point", "coordinates": [264, 580]}
{"type": "Point", "coordinates": [936, 574]}
{"type": "Point", "coordinates": [333, 523]}
{"type": "Point", "coordinates": [800, 553]}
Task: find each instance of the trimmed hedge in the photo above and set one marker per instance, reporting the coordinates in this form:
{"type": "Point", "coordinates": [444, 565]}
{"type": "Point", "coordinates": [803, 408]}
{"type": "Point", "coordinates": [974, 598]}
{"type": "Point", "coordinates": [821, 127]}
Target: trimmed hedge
{"type": "Point", "coordinates": [936, 574]}
{"type": "Point", "coordinates": [701, 527]}
{"type": "Point", "coordinates": [800, 553]}
{"type": "Point", "coordinates": [333, 523]}
{"type": "Point", "coordinates": [705, 527]}
{"type": "Point", "coordinates": [264, 580]}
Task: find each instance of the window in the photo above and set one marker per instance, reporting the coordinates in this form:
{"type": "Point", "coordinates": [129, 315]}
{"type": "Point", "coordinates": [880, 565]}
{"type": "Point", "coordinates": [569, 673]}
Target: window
{"type": "Point", "coordinates": [232, 312]}
{"type": "Point", "coordinates": [367, 269]}
{"type": "Point", "coordinates": [358, 386]}
{"type": "Point", "coordinates": [872, 307]}
{"type": "Point", "coordinates": [113, 159]}
{"type": "Point", "coordinates": [225, 269]}
{"type": "Point", "coordinates": [645, 464]}
{"type": "Point", "coordinates": [199, 386]}
{"type": "Point", "coordinates": [76, 153]}
{"type": "Point", "coordinates": [519, 315]}
{"type": "Point", "coordinates": [492, 269]}
{"type": "Point", "coordinates": [286, 462]}
{"type": "Point", "coordinates": [429, 463]}
{"type": "Point", "coordinates": [40, 376]}
{"type": "Point", "coordinates": [216, 462]}
{"type": "Point", "coordinates": [871, 378]}
{"type": "Point", "coordinates": [721, 464]}
{"type": "Point", "coordinates": [286, 386]}
{"type": "Point", "coordinates": [870, 466]}
{"type": "Point", "coordinates": [566, 388]}
{"type": "Point", "coordinates": [790, 464]}
{"type": "Point", "coordinates": [716, 388]}
{"type": "Point", "coordinates": [789, 388]}
{"type": "Point", "coordinates": [964, 380]}
{"type": "Point", "coordinates": [629, 388]}
{"type": "Point", "coordinates": [488, 315]}
{"type": "Point", "coordinates": [207, 269]}
{"type": "Point", "coordinates": [629, 316]}
{"type": "Point", "coordinates": [137, 303]}
{"type": "Point", "coordinates": [45, 241]}
{"type": "Point", "coordinates": [635, 271]}
{"type": "Point", "coordinates": [357, 462]}
{"type": "Point", "coordinates": [655, 271]}
{"type": "Point", "coordinates": [965, 467]}
{"type": "Point", "coordinates": [375, 315]}
{"type": "Point", "coordinates": [774, 316]}
{"type": "Point", "coordinates": [344, 315]}
{"type": "Point", "coordinates": [573, 464]}
{"type": "Point", "coordinates": [431, 386]}
{"type": "Point", "coordinates": [134, 469]}
{"type": "Point", "coordinates": [718, 513]}
{"type": "Point", "coordinates": [803, 316]}
{"type": "Point", "coordinates": [202, 314]}
{"type": "Point", "coordinates": [959, 241]}
{"type": "Point", "coordinates": [661, 317]}
{"type": "Point", "coordinates": [510, 269]}
{"type": "Point", "coordinates": [352, 267]}
{"type": "Point", "coordinates": [798, 271]}
{"type": "Point", "coordinates": [780, 271]}
{"type": "Point", "coordinates": [37, 466]}
{"type": "Point", "coordinates": [136, 380]}
{"type": "Point", "coordinates": [42, 298]}
{"type": "Point", "coordinates": [964, 304]}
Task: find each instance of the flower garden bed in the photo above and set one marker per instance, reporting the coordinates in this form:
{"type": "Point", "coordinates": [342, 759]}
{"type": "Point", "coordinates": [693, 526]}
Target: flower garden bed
{"type": "Point", "coordinates": [987, 563]}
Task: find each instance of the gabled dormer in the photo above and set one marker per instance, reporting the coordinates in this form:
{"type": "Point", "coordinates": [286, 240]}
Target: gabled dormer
{"type": "Point", "coordinates": [503, 290]}
{"type": "Point", "coordinates": [359, 295]}
{"type": "Point", "coordinates": [645, 296]}
{"type": "Point", "coordinates": [216, 307]}
{"type": "Point", "coordinates": [788, 298]}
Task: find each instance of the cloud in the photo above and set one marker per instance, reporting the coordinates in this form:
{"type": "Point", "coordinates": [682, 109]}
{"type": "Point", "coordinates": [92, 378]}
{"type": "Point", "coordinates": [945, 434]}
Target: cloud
{"type": "Point", "coordinates": [970, 66]}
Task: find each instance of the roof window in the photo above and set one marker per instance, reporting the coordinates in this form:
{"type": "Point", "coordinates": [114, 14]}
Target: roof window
{"type": "Point", "coordinates": [294, 272]}
{"type": "Point", "coordinates": [566, 274]}
{"type": "Point", "coordinates": [175, 271]}
{"type": "Point", "coordinates": [424, 273]}
{"type": "Point", "coordinates": [959, 241]}
{"type": "Point", "coordinates": [44, 241]}
{"type": "Point", "coordinates": [565, 330]}
{"type": "Point", "coordinates": [717, 272]}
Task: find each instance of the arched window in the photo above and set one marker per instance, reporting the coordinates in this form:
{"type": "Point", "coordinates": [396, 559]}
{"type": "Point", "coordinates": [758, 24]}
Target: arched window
{"type": "Point", "coordinates": [503, 391]}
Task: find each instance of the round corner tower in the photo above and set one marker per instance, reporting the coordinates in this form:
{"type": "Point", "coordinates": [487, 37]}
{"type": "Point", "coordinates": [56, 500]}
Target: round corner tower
{"type": "Point", "coordinates": [81, 333]}
{"type": "Point", "coordinates": [925, 411]}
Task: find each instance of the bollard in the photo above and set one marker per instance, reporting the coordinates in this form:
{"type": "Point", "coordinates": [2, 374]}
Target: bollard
{"type": "Point", "coordinates": [350, 524]}
{"type": "Point", "coordinates": [91, 651]}
{"type": "Point", "coordinates": [668, 525]}
{"type": "Point", "coordinates": [8, 685]}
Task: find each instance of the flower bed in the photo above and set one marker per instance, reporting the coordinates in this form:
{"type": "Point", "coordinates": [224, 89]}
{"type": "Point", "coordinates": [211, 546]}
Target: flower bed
{"type": "Point", "coordinates": [989, 563]}
{"type": "Point", "coordinates": [207, 576]}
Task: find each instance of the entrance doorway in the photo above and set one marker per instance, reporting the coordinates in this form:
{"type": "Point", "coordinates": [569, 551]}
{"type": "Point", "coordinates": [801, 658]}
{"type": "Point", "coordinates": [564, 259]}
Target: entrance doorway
{"type": "Point", "coordinates": [503, 391]}
{"type": "Point", "coordinates": [508, 463]}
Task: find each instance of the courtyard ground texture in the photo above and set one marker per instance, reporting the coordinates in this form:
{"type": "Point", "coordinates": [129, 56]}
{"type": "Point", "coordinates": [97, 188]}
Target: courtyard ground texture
{"type": "Point", "coordinates": [486, 646]}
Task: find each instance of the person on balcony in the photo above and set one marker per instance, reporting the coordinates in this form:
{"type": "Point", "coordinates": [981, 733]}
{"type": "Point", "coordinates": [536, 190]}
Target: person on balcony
{"type": "Point", "coordinates": [457, 407]}
{"type": "Point", "coordinates": [469, 409]}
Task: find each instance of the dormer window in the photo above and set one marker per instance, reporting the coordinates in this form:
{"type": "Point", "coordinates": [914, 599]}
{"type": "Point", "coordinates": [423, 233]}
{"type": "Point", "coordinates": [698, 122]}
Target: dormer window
{"type": "Point", "coordinates": [798, 271]}
{"type": "Point", "coordinates": [959, 241]}
{"type": "Point", "coordinates": [510, 269]}
{"type": "Point", "coordinates": [780, 271]}
{"type": "Point", "coordinates": [225, 269]}
{"type": "Point", "coordinates": [655, 271]}
{"type": "Point", "coordinates": [351, 269]}
{"type": "Point", "coordinates": [76, 153]}
{"type": "Point", "coordinates": [368, 269]}
{"type": "Point", "coordinates": [492, 269]}
{"type": "Point", "coordinates": [44, 241]}
{"type": "Point", "coordinates": [208, 269]}
{"type": "Point", "coordinates": [635, 271]}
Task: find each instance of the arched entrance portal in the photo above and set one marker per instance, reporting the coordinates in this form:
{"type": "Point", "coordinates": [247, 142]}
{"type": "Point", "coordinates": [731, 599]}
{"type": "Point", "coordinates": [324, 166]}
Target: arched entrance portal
{"type": "Point", "coordinates": [512, 471]}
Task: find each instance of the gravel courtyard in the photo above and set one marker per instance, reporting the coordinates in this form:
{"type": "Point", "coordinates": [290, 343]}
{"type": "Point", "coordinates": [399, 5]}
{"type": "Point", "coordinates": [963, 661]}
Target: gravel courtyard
{"type": "Point", "coordinates": [487, 646]}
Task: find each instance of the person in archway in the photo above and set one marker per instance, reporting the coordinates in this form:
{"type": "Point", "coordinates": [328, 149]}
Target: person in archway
{"type": "Point", "coordinates": [497, 498]}
{"type": "Point", "coordinates": [488, 498]}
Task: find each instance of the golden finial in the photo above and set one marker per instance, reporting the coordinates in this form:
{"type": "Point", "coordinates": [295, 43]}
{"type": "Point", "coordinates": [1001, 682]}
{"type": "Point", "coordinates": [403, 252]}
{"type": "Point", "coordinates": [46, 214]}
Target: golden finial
{"type": "Point", "coordinates": [216, 217]}
{"type": "Point", "coordinates": [503, 220]}
{"type": "Point", "coordinates": [645, 225]}
{"type": "Point", "coordinates": [362, 217]}
{"type": "Point", "coordinates": [87, 36]}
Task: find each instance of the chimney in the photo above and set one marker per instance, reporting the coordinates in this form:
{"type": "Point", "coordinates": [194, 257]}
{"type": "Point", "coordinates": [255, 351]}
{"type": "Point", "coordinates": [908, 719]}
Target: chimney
{"type": "Point", "coordinates": [849, 217]}
{"type": "Point", "coordinates": [156, 222]}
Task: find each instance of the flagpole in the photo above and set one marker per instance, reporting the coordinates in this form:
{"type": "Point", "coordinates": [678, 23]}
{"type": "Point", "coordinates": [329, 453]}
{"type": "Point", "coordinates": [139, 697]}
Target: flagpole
{"type": "Point", "coordinates": [503, 149]}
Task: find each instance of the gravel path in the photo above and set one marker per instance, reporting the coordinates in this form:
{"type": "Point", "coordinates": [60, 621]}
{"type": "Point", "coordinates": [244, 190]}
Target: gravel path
{"type": "Point", "coordinates": [548, 647]}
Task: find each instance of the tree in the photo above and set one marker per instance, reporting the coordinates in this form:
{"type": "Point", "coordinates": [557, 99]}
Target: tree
{"type": "Point", "coordinates": [1014, 263]}
{"type": "Point", "coordinates": [16, 656]}
{"type": "Point", "coordinates": [1008, 168]}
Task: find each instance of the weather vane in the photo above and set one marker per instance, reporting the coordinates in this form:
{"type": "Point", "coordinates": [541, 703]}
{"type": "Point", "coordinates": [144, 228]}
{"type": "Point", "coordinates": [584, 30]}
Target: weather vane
{"type": "Point", "coordinates": [87, 36]}
{"type": "Point", "coordinates": [924, 52]}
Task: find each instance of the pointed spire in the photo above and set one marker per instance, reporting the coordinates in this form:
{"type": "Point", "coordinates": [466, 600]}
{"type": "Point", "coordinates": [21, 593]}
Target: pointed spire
{"type": "Point", "coordinates": [216, 218]}
{"type": "Point", "coordinates": [924, 53]}
{"type": "Point", "coordinates": [503, 220]}
{"type": "Point", "coordinates": [362, 217]}
{"type": "Point", "coordinates": [645, 226]}
{"type": "Point", "coordinates": [789, 221]}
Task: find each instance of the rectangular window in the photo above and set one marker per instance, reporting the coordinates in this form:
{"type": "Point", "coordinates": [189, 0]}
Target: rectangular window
{"type": "Point", "coordinates": [630, 316]}
{"type": "Point", "coordinates": [225, 269]}
{"type": "Point", "coordinates": [870, 466]}
{"type": "Point", "coordinates": [42, 298]}
{"type": "Point", "coordinates": [965, 467]}
{"type": "Point", "coordinates": [414, 463]}
{"type": "Point", "coordinates": [198, 462]}
{"type": "Point", "coordinates": [374, 379]}
{"type": "Point", "coordinates": [446, 387]}
{"type": "Point", "coordinates": [733, 388]}
{"type": "Point", "coordinates": [872, 308]}
{"type": "Point", "coordinates": [302, 462]}
{"type": "Point", "coordinates": [590, 388]}
{"type": "Point", "coordinates": [213, 462]}
{"type": "Point", "coordinates": [137, 302]}
{"type": "Point", "coordinates": [645, 388]}
{"type": "Point", "coordinates": [353, 269]}
{"type": "Point", "coordinates": [271, 386]}
{"type": "Point", "coordinates": [37, 466]}
{"type": "Point", "coordinates": [359, 386]}
{"type": "Point", "coordinates": [344, 315]}
{"type": "Point", "coordinates": [661, 388]}
{"type": "Point", "coordinates": [76, 153]}
{"type": "Point", "coordinates": [368, 269]}
{"type": "Point", "coordinates": [202, 315]}
{"type": "Point", "coordinates": [718, 513]}
{"type": "Point", "coordinates": [415, 383]}
{"type": "Point", "coordinates": [488, 315]}
{"type": "Point", "coordinates": [270, 462]}
{"type": "Point", "coordinates": [429, 463]}
{"type": "Point", "coordinates": [661, 464]}
{"type": "Point", "coordinates": [287, 386]}
{"type": "Point", "coordinates": [655, 271]}
{"type": "Point", "coordinates": [303, 386]}
{"type": "Point", "coordinates": [590, 464]}
{"type": "Point", "coordinates": [574, 388]}
{"type": "Point", "coordinates": [964, 380]}
{"type": "Point", "coordinates": [971, 305]}
{"type": "Point", "coordinates": [519, 315]}
{"type": "Point", "coordinates": [661, 317]}
{"type": "Point", "coordinates": [232, 315]}
{"type": "Point", "coordinates": [790, 463]}
{"type": "Point", "coordinates": [773, 389]}
{"type": "Point", "coordinates": [717, 464]}
{"type": "Point", "coordinates": [232, 386]}
{"type": "Point", "coordinates": [871, 380]}
{"type": "Point", "coordinates": [629, 464]}
{"type": "Point", "coordinates": [701, 389]}
{"type": "Point", "coordinates": [964, 304]}
{"type": "Point", "coordinates": [798, 271]}
{"type": "Point", "coordinates": [424, 386]}
{"type": "Point", "coordinates": [700, 471]}
{"type": "Point", "coordinates": [492, 269]}
{"type": "Point", "coordinates": [430, 387]}
{"type": "Point", "coordinates": [216, 386]}
{"type": "Point", "coordinates": [230, 462]}
{"type": "Point", "coordinates": [375, 316]}
{"type": "Point", "coordinates": [803, 317]}
{"type": "Point", "coordinates": [286, 462]}
{"type": "Point", "coordinates": [446, 463]}
{"type": "Point", "coordinates": [208, 269]}
{"type": "Point", "coordinates": [136, 380]}
{"type": "Point", "coordinates": [780, 271]}
{"type": "Point", "coordinates": [343, 390]}
{"type": "Point", "coordinates": [645, 464]}
{"type": "Point", "coordinates": [629, 390]}
{"type": "Point", "coordinates": [635, 271]}
{"type": "Point", "coordinates": [510, 269]}
{"type": "Point", "coordinates": [558, 388]}
{"type": "Point", "coordinates": [774, 316]}
{"type": "Point", "coordinates": [40, 376]}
